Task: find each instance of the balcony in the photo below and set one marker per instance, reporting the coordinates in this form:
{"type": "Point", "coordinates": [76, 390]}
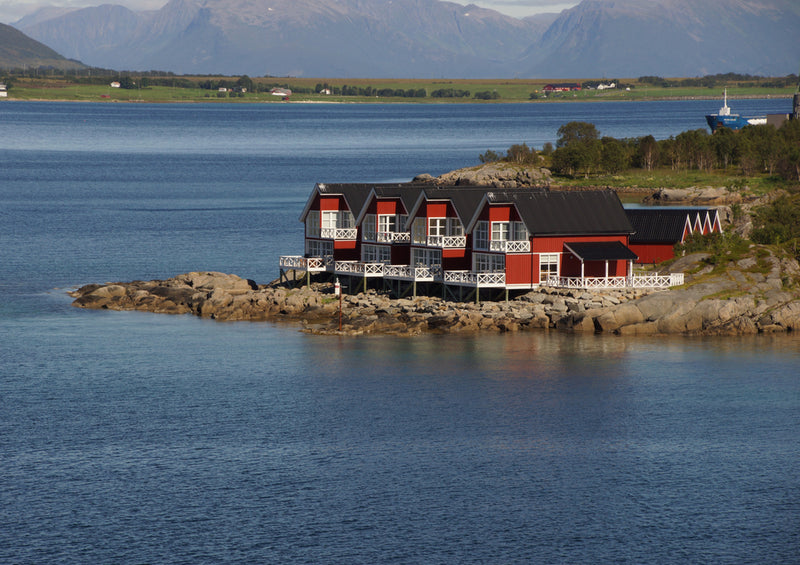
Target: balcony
{"type": "Point", "coordinates": [338, 233]}
{"type": "Point", "coordinates": [478, 280]}
{"type": "Point", "coordinates": [446, 241]}
{"type": "Point", "coordinates": [510, 246]}
{"type": "Point", "coordinates": [408, 273]}
{"type": "Point", "coordinates": [310, 264]}
{"type": "Point", "coordinates": [393, 237]}
{"type": "Point", "coordinates": [358, 268]}
{"type": "Point", "coordinates": [653, 282]}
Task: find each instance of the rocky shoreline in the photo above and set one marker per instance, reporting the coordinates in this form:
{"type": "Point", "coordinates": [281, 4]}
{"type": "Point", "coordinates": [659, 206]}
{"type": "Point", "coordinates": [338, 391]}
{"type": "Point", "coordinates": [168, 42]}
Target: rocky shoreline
{"type": "Point", "coordinates": [756, 294]}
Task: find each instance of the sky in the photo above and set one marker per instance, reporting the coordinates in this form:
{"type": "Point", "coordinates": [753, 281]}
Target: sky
{"type": "Point", "coordinates": [13, 10]}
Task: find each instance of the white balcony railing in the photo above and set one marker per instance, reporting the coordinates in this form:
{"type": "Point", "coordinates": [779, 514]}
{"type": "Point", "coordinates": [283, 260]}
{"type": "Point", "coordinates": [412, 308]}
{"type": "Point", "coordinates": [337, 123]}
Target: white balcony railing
{"type": "Point", "coordinates": [311, 264]}
{"type": "Point", "coordinates": [409, 273]}
{"type": "Point", "coordinates": [359, 268]}
{"type": "Point", "coordinates": [510, 246]}
{"type": "Point", "coordinates": [338, 233]}
{"type": "Point", "coordinates": [446, 241]}
{"type": "Point", "coordinates": [393, 237]}
{"type": "Point", "coordinates": [635, 281]}
{"type": "Point", "coordinates": [468, 278]}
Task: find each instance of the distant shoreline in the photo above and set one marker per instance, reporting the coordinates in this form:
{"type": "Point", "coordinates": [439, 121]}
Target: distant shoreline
{"type": "Point", "coordinates": [414, 102]}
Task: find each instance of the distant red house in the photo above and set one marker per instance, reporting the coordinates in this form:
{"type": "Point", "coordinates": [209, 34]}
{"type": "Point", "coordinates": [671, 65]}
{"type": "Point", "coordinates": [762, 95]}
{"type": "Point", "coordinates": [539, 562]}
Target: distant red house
{"type": "Point", "coordinates": [658, 229]}
{"type": "Point", "coordinates": [562, 87]}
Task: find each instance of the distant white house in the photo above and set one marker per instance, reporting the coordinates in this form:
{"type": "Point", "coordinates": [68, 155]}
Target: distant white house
{"type": "Point", "coordinates": [606, 86]}
{"type": "Point", "coordinates": [285, 92]}
{"type": "Point", "coordinates": [115, 84]}
{"type": "Point", "coordinates": [3, 91]}
{"type": "Point", "coordinates": [326, 91]}
{"type": "Point", "coordinates": [223, 89]}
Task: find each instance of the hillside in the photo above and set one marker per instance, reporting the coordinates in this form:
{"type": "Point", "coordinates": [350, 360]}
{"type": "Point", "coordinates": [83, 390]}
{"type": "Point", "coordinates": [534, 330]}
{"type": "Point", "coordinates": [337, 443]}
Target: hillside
{"type": "Point", "coordinates": [18, 50]}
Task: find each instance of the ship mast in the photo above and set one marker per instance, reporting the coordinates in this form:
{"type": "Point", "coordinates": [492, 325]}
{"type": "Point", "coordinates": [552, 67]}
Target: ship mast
{"type": "Point", "coordinates": [725, 111]}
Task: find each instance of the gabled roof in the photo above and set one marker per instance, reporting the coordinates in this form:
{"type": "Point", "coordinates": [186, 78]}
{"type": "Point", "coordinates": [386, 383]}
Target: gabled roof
{"type": "Point", "coordinates": [406, 193]}
{"type": "Point", "coordinates": [465, 199]}
{"type": "Point", "coordinates": [668, 225]}
{"type": "Point", "coordinates": [566, 213]}
{"type": "Point", "coordinates": [356, 194]}
{"type": "Point", "coordinates": [601, 251]}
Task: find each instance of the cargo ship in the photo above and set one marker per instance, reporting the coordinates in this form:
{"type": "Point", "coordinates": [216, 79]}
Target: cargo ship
{"type": "Point", "coordinates": [731, 121]}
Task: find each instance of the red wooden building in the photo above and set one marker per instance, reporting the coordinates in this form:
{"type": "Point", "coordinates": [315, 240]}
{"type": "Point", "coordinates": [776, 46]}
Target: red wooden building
{"type": "Point", "coordinates": [473, 237]}
{"type": "Point", "coordinates": [657, 230]}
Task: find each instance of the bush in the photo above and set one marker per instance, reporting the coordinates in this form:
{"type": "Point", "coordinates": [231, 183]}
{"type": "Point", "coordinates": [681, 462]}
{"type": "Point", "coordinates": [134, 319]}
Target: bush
{"type": "Point", "coordinates": [721, 247]}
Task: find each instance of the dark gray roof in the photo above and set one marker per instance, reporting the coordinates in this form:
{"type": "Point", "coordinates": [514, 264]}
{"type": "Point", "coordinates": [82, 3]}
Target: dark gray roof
{"type": "Point", "coordinates": [601, 251]}
{"type": "Point", "coordinates": [567, 213]}
{"type": "Point", "coordinates": [661, 224]}
{"type": "Point", "coordinates": [465, 199]}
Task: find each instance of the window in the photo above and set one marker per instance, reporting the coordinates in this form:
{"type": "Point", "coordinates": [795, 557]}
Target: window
{"type": "Point", "coordinates": [488, 263]}
{"type": "Point", "coordinates": [426, 257]}
{"type": "Point", "coordinates": [519, 232]}
{"type": "Point", "coordinates": [312, 224]}
{"type": "Point", "coordinates": [454, 227]}
{"type": "Point", "coordinates": [337, 219]}
{"type": "Point", "coordinates": [318, 248]}
{"type": "Point", "coordinates": [418, 230]}
{"type": "Point", "coordinates": [376, 254]}
{"type": "Point", "coordinates": [548, 266]}
{"type": "Point", "coordinates": [387, 224]}
{"type": "Point", "coordinates": [346, 220]}
{"type": "Point", "coordinates": [329, 219]}
{"type": "Point", "coordinates": [368, 232]}
{"type": "Point", "coordinates": [500, 231]}
{"type": "Point", "coordinates": [481, 235]}
{"type": "Point", "coordinates": [437, 226]}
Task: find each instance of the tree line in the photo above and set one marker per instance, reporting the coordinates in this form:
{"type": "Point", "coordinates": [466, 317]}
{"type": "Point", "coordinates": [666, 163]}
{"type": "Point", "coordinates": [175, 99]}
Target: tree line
{"type": "Point", "coordinates": [761, 149]}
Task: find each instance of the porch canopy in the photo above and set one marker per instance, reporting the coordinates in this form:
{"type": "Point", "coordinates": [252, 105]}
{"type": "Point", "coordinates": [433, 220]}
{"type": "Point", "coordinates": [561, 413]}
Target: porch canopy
{"type": "Point", "coordinates": [601, 251]}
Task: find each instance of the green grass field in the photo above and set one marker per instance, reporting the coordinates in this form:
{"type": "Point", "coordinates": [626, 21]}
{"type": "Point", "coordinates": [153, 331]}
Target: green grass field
{"type": "Point", "coordinates": [518, 90]}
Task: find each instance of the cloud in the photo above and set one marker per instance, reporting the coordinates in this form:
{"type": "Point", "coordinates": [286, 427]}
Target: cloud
{"type": "Point", "coordinates": [522, 8]}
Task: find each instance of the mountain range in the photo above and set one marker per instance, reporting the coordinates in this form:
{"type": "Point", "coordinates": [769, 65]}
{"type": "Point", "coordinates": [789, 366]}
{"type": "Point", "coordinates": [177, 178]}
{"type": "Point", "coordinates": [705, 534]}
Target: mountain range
{"type": "Point", "coordinates": [429, 38]}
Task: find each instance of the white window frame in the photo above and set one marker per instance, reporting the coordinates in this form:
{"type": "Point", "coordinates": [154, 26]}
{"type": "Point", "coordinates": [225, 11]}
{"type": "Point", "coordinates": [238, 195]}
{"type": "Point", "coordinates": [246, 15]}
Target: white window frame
{"type": "Point", "coordinates": [488, 263]}
{"type": "Point", "coordinates": [501, 231]}
{"type": "Point", "coordinates": [319, 248]}
{"type": "Point", "coordinates": [546, 263]}
{"type": "Point", "coordinates": [437, 226]}
{"type": "Point", "coordinates": [519, 232]}
{"type": "Point", "coordinates": [369, 228]}
{"type": "Point", "coordinates": [480, 235]}
{"type": "Point", "coordinates": [426, 257]}
{"type": "Point", "coordinates": [376, 254]}
{"type": "Point", "coordinates": [312, 224]}
{"type": "Point", "coordinates": [454, 227]}
{"type": "Point", "coordinates": [418, 230]}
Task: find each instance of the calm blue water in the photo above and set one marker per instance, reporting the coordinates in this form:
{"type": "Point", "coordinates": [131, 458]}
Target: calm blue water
{"type": "Point", "coordinates": [135, 438]}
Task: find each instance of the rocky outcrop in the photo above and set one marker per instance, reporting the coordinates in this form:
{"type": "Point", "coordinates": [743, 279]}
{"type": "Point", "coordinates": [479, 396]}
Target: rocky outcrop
{"type": "Point", "coordinates": [694, 196]}
{"type": "Point", "coordinates": [496, 175]}
{"type": "Point", "coordinates": [756, 294]}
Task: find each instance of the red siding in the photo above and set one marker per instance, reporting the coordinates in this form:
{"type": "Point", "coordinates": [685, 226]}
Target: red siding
{"type": "Point", "coordinates": [330, 203]}
{"type": "Point", "coordinates": [653, 252]}
{"type": "Point", "coordinates": [521, 269]}
{"type": "Point", "coordinates": [390, 207]}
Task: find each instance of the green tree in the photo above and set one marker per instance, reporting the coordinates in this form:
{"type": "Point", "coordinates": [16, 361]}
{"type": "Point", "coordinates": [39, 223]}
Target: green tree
{"type": "Point", "coordinates": [614, 155]}
{"type": "Point", "coordinates": [647, 152]}
{"type": "Point", "coordinates": [522, 155]}
{"type": "Point", "coordinates": [573, 132]}
{"type": "Point", "coordinates": [724, 142]}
